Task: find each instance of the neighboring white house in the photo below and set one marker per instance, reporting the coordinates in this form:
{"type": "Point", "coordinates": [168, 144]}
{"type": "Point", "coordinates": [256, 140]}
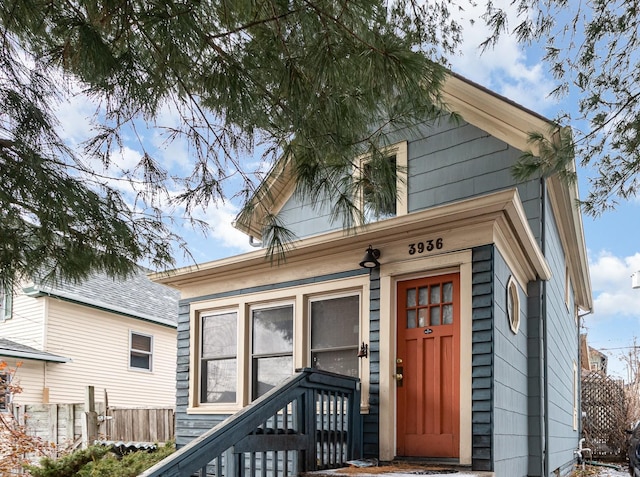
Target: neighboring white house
{"type": "Point", "coordinates": [115, 335]}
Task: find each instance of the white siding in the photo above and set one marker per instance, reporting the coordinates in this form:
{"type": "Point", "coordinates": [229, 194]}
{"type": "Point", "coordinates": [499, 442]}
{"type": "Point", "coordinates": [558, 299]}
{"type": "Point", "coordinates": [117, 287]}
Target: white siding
{"type": "Point", "coordinates": [30, 377]}
{"type": "Point", "coordinates": [27, 322]}
{"type": "Point", "coordinates": [98, 344]}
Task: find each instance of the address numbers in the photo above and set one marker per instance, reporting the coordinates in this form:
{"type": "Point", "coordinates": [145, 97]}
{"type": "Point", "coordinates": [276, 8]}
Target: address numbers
{"type": "Point", "coordinates": [426, 246]}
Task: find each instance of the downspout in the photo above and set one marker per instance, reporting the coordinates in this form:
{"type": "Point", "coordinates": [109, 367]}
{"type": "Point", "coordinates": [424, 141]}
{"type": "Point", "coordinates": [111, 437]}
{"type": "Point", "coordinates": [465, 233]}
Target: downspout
{"type": "Point", "coordinates": [580, 317]}
{"type": "Point", "coordinates": [545, 337]}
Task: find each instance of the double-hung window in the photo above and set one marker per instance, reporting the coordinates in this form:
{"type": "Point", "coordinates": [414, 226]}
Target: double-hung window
{"type": "Point", "coordinates": [383, 183]}
{"type": "Point", "coordinates": [141, 351]}
{"type": "Point", "coordinates": [218, 358]}
{"type": "Point", "coordinates": [335, 332]}
{"type": "Point", "coordinates": [271, 348]}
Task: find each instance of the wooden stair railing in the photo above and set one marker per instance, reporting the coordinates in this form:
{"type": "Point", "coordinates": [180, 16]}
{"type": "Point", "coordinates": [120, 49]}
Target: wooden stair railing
{"type": "Point", "coordinates": [310, 422]}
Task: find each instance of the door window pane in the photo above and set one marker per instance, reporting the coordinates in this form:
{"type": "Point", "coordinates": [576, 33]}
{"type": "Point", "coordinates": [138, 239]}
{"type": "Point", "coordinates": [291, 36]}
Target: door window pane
{"type": "Point", "coordinates": [424, 295]}
{"type": "Point", "coordinates": [435, 316]}
{"type": "Point", "coordinates": [411, 318]}
{"type": "Point", "coordinates": [435, 294]}
{"type": "Point", "coordinates": [447, 314]}
{"type": "Point", "coordinates": [411, 297]}
{"type": "Point", "coordinates": [447, 292]}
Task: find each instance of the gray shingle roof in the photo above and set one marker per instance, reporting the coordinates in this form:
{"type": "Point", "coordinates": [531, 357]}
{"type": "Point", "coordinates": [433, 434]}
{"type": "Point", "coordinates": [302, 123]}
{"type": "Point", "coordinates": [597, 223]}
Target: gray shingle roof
{"type": "Point", "coordinates": [16, 350]}
{"type": "Point", "coordinates": [135, 296]}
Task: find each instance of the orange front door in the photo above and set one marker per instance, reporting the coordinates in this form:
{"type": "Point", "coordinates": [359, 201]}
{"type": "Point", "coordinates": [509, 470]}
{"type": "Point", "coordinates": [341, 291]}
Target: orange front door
{"type": "Point", "coordinates": [428, 392]}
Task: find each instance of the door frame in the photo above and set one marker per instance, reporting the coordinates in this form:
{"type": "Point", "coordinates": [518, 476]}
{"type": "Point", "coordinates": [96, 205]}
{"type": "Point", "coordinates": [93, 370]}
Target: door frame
{"type": "Point", "coordinates": [390, 274]}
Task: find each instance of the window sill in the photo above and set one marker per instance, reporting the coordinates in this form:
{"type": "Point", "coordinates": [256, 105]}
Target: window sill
{"type": "Point", "coordinates": [215, 409]}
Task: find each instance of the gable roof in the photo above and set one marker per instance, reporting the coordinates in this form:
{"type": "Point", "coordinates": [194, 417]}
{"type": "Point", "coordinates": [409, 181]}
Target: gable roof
{"type": "Point", "coordinates": [502, 118]}
{"type": "Point", "coordinates": [12, 349]}
{"type": "Point", "coordinates": [136, 296]}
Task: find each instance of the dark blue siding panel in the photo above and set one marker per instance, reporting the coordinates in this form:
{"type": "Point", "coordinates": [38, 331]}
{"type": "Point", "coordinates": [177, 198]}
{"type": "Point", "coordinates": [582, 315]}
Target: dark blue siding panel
{"type": "Point", "coordinates": [371, 421]}
{"type": "Point", "coordinates": [482, 359]}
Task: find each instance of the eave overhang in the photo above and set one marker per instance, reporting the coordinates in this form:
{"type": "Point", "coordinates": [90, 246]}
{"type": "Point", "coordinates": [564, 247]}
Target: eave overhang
{"type": "Point", "coordinates": [39, 290]}
{"type": "Point", "coordinates": [496, 218]}
{"type": "Point", "coordinates": [36, 356]}
{"type": "Point", "coordinates": [566, 208]}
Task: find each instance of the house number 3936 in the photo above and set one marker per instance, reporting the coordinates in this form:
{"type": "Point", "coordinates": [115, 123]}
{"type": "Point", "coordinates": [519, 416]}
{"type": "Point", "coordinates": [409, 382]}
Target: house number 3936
{"type": "Point", "coordinates": [426, 246]}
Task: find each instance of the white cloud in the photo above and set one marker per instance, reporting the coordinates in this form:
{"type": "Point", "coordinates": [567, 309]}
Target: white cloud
{"type": "Point", "coordinates": [611, 283]}
{"type": "Point", "coordinates": [507, 68]}
{"type": "Point", "coordinates": [75, 116]}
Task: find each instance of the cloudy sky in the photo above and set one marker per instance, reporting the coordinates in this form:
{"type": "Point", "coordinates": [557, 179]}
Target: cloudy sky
{"type": "Point", "coordinates": [613, 240]}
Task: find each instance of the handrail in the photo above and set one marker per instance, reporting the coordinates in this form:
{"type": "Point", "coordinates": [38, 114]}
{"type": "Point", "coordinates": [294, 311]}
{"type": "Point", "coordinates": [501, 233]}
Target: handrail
{"type": "Point", "coordinates": [310, 421]}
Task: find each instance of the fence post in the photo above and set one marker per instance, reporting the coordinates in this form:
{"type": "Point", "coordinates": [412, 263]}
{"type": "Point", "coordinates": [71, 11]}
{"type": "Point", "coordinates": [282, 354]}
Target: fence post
{"type": "Point", "coordinates": [90, 421]}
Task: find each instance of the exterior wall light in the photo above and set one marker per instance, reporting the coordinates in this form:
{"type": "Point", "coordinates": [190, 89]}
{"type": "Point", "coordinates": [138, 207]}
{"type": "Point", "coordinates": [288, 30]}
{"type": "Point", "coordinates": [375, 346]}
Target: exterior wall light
{"type": "Point", "coordinates": [364, 350]}
{"type": "Point", "coordinates": [371, 257]}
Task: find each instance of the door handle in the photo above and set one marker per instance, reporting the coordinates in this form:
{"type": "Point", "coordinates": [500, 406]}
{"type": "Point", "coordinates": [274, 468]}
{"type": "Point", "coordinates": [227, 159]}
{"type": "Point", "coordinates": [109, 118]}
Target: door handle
{"type": "Point", "coordinates": [398, 376]}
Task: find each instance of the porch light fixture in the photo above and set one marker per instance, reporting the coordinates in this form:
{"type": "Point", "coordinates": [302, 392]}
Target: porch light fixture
{"type": "Point", "coordinates": [371, 257]}
{"type": "Point", "coordinates": [364, 350]}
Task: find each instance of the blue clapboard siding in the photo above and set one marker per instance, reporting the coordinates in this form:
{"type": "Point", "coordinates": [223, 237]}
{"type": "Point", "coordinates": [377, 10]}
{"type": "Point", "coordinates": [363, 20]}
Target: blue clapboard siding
{"type": "Point", "coordinates": [482, 347]}
{"type": "Point", "coordinates": [562, 352]}
{"type": "Point", "coordinates": [511, 423]}
{"type": "Point", "coordinates": [447, 162]}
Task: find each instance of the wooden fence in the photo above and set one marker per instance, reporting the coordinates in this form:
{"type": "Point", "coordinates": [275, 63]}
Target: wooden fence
{"type": "Point", "coordinates": [139, 425]}
{"type": "Point", "coordinates": [80, 424]}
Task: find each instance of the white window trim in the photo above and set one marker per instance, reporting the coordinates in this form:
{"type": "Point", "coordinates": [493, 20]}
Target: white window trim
{"type": "Point", "coordinates": [300, 296]}
{"type": "Point", "coordinates": [514, 321]}
{"type": "Point", "coordinates": [400, 151]}
{"type": "Point", "coordinates": [131, 350]}
{"type": "Point", "coordinates": [6, 304]}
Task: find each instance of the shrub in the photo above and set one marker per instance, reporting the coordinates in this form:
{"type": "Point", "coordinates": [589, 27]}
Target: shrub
{"type": "Point", "coordinates": [98, 461]}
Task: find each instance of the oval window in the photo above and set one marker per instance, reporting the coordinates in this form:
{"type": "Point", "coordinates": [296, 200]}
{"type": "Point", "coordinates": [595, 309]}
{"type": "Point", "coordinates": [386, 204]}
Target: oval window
{"type": "Point", "coordinates": [513, 305]}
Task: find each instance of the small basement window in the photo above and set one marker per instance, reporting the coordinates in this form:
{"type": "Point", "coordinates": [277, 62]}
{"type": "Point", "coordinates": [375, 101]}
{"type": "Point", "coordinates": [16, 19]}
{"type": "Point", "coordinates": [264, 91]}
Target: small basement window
{"type": "Point", "coordinates": [140, 351]}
